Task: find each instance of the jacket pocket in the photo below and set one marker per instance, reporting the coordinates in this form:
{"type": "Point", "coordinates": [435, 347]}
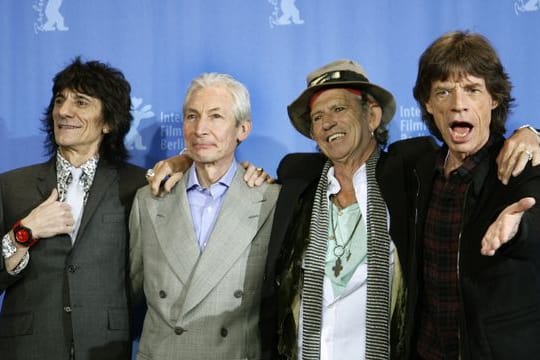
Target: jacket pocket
{"type": "Point", "coordinates": [118, 319]}
{"type": "Point", "coordinates": [16, 324]}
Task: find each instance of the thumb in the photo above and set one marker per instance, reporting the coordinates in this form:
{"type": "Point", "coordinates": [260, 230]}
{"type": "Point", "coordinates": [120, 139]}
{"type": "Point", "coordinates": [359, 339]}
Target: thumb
{"type": "Point", "coordinates": [53, 196]}
{"type": "Point", "coordinates": [522, 205]}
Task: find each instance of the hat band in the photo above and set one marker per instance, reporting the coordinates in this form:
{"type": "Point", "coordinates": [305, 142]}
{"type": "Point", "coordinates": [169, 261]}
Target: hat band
{"type": "Point", "coordinates": [335, 76]}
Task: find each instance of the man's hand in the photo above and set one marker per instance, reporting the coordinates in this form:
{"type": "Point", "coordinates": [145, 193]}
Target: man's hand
{"type": "Point", "coordinates": [518, 149]}
{"type": "Point", "coordinates": [50, 218]}
{"type": "Point", "coordinates": [505, 226]}
{"type": "Point", "coordinates": [168, 172]}
{"type": "Point", "coordinates": [255, 176]}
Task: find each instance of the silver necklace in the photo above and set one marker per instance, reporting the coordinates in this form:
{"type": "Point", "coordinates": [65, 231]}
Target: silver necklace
{"type": "Point", "coordinates": [340, 249]}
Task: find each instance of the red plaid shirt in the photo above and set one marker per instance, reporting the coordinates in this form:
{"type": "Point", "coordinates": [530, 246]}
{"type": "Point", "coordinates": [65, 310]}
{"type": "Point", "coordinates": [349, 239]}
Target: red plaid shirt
{"type": "Point", "coordinates": [439, 316]}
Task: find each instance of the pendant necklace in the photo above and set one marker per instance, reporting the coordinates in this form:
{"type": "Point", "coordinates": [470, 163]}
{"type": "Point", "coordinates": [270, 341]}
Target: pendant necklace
{"type": "Point", "coordinates": [339, 249]}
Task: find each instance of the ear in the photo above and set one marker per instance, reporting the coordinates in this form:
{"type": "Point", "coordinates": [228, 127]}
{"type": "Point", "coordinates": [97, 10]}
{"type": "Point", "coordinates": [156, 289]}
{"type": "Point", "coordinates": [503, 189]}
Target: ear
{"type": "Point", "coordinates": [494, 104]}
{"type": "Point", "coordinates": [243, 130]}
{"type": "Point", "coordinates": [375, 117]}
{"type": "Point", "coordinates": [105, 130]}
{"type": "Point", "coordinates": [429, 108]}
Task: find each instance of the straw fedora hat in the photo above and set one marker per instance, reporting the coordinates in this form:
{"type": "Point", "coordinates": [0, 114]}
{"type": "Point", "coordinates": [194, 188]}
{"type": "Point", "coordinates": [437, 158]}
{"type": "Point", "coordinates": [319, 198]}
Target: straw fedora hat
{"type": "Point", "coordinates": [338, 74]}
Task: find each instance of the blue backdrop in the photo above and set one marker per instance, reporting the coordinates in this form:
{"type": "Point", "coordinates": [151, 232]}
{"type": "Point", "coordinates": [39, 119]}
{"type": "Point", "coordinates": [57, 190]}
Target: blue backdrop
{"type": "Point", "coordinates": [270, 45]}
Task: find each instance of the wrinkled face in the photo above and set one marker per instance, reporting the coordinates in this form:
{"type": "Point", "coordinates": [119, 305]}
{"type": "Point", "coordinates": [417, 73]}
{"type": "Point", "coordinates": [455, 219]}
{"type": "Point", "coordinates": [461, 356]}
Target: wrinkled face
{"type": "Point", "coordinates": [341, 128]}
{"type": "Point", "coordinates": [210, 130]}
{"type": "Point", "coordinates": [78, 122]}
{"type": "Point", "coordinates": [462, 112]}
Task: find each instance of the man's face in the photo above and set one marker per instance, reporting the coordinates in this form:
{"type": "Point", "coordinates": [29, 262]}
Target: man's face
{"type": "Point", "coordinates": [210, 130]}
{"type": "Point", "coordinates": [78, 123]}
{"type": "Point", "coordinates": [341, 128]}
{"type": "Point", "coordinates": [462, 108]}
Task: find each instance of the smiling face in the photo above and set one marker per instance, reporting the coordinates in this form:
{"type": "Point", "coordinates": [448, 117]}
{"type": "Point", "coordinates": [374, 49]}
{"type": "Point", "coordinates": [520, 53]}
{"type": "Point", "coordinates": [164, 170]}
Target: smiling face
{"type": "Point", "coordinates": [461, 108]}
{"type": "Point", "coordinates": [78, 125]}
{"type": "Point", "coordinates": [210, 131]}
{"type": "Point", "coordinates": [342, 128]}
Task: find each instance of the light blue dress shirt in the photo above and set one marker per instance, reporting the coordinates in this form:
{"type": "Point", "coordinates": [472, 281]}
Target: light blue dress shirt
{"type": "Point", "coordinates": [205, 203]}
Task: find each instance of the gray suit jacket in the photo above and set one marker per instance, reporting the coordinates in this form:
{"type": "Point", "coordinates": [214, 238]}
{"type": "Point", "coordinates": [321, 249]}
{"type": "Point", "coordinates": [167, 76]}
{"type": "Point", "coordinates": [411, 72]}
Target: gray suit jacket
{"type": "Point", "coordinates": [201, 306]}
{"type": "Point", "coordinates": [69, 293]}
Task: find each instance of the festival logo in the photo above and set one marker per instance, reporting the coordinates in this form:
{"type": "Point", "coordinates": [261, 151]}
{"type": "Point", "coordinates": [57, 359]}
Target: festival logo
{"type": "Point", "coordinates": [285, 13]}
{"type": "Point", "coordinates": [49, 16]}
{"type": "Point", "coordinates": [526, 6]}
{"type": "Point", "coordinates": [133, 138]}
{"type": "Point", "coordinates": [410, 122]}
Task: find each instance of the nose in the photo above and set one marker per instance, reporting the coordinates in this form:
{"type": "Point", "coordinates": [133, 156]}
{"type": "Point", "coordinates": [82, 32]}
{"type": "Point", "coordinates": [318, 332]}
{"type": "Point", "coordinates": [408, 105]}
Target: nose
{"type": "Point", "coordinates": [459, 100]}
{"type": "Point", "coordinates": [328, 121]}
{"type": "Point", "coordinates": [201, 126]}
{"type": "Point", "coordinates": [64, 108]}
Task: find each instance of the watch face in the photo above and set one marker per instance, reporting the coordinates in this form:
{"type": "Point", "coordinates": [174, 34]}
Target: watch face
{"type": "Point", "coordinates": [23, 235]}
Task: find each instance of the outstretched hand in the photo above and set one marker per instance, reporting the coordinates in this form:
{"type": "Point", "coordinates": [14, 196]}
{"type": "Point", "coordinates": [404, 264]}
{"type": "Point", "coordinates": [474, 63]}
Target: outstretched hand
{"type": "Point", "coordinates": [505, 226]}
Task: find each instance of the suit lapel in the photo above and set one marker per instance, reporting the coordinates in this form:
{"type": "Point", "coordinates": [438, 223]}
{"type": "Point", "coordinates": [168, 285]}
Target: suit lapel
{"type": "Point", "coordinates": [171, 218]}
{"type": "Point", "coordinates": [47, 178]}
{"type": "Point", "coordinates": [241, 215]}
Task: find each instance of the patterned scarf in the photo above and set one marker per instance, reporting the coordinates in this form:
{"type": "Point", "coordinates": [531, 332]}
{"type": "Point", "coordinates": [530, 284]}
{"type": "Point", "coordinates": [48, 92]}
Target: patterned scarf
{"type": "Point", "coordinates": [378, 283]}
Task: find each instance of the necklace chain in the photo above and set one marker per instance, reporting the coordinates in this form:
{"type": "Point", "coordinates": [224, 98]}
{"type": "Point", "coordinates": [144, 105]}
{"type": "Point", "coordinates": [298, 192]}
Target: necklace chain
{"type": "Point", "coordinates": [339, 249]}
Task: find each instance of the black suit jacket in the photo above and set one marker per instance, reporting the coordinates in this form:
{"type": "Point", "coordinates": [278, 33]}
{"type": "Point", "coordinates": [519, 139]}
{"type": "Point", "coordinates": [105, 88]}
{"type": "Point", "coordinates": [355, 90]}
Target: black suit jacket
{"type": "Point", "coordinates": [69, 293]}
{"type": "Point", "coordinates": [299, 175]}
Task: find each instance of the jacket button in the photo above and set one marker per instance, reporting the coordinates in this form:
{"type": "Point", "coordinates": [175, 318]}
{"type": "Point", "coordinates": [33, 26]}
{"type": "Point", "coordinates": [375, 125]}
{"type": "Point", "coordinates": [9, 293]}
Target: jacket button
{"type": "Point", "coordinates": [67, 309]}
{"type": "Point", "coordinates": [178, 330]}
{"type": "Point", "coordinates": [162, 294]}
{"type": "Point", "coordinates": [72, 268]}
{"type": "Point", "coordinates": [224, 332]}
{"type": "Point", "coordinates": [238, 294]}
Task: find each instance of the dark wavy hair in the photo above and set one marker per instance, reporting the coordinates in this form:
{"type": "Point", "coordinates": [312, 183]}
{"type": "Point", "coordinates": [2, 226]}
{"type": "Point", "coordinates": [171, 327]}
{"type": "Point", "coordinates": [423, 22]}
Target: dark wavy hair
{"type": "Point", "coordinates": [461, 53]}
{"type": "Point", "coordinates": [101, 81]}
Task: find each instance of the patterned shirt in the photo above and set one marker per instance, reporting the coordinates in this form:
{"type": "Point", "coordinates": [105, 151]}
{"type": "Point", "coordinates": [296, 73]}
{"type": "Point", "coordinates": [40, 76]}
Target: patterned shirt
{"type": "Point", "coordinates": [439, 331]}
{"type": "Point", "coordinates": [63, 175]}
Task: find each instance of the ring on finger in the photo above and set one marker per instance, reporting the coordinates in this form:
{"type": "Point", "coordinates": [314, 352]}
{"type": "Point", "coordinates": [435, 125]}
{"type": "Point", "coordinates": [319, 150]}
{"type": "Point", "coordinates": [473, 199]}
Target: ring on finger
{"type": "Point", "coordinates": [529, 155]}
{"type": "Point", "coordinates": [259, 169]}
{"type": "Point", "coordinates": [150, 173]}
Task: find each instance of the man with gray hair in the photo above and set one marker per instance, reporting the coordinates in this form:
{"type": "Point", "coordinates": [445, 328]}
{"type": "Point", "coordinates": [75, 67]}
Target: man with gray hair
{"type": "Point", "coordinates": [200, 252]}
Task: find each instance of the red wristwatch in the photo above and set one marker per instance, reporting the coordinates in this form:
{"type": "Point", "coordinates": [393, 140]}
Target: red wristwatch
{"type": "Point", "coordinates": [23, 235]}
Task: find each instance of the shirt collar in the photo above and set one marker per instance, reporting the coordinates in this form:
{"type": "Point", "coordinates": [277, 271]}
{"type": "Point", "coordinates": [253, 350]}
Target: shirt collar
{"type": "Point", "coordinates": [63, 173]}
{"type": "Point", "coordinates": [224, 182]}
{"type": "Point", "coordinates": [466, 170]}
{"type": "Point", "coordinates": [333, 184]}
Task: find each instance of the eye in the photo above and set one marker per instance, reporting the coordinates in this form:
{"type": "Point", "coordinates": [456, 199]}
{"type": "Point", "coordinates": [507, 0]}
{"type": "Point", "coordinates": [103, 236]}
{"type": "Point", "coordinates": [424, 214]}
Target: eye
{"type": "Point", "coordinates": [316, 118]}
{"type": "Point", "coordinates": [442, 92]}
{"type": "Point", "coordinates": [339, 109]}
{"type": "Point", "coordinates": [58, 100]}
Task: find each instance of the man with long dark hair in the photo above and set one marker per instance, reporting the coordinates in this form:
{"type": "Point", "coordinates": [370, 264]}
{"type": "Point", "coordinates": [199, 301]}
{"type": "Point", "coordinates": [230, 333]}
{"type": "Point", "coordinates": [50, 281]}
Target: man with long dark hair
{"type": "Point", "coordinates": [64, 226]}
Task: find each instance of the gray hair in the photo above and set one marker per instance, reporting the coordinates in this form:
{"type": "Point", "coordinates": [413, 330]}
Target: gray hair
{"type": "Point", "coordinates": [238, 91]}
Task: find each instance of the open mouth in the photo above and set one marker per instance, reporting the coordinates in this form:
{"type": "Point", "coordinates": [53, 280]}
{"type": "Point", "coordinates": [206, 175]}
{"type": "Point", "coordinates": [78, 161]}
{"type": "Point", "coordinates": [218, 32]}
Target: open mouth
{"type": "Point", "coordinates": [335, 136]}
{"type": "Point", "coordinates": [460, 129]}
